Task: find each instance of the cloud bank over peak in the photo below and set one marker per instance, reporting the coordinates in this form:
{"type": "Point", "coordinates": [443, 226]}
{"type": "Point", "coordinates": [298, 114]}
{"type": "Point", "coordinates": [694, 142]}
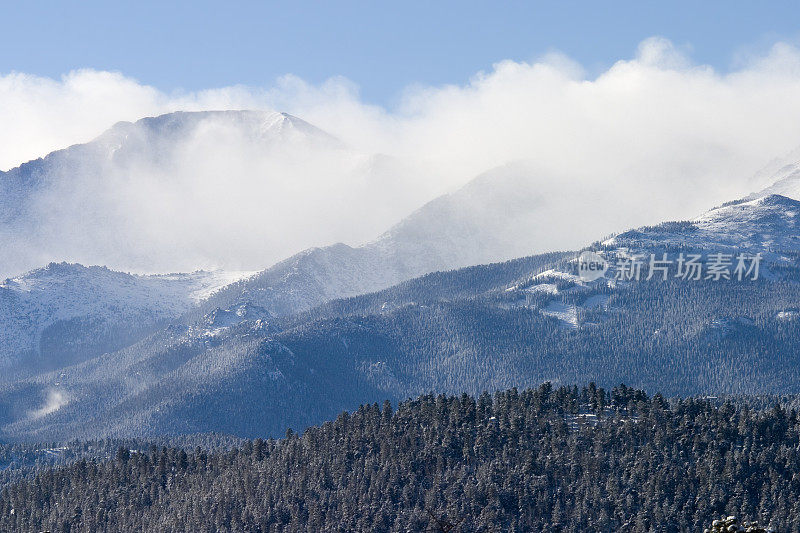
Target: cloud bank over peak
{"type": "Point", "coordinates": [654, 137]}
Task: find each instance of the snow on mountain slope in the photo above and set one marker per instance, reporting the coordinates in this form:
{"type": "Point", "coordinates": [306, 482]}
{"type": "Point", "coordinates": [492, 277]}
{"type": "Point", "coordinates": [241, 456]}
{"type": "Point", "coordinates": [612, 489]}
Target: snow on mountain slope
{"type": "Point", "coordinates": [787, 182]}
{"type": "Point", "coordinates": [310, 278]}
{"type": "Point", "coordinates": [762, 224]}
{"type": "Point", "coordinates": [496, 216]}
{"type": "Point", "coordinates": [63, 313]}
{"type": "Point", "coordinates": [502, 214]}
{"type": "Point", "coordinates": [499, 215]}
{"type": "Point", "coordinates": [187, 190]}
{"type": "Point", "coordinates": [767, 225]}
{"type": "Point", "coordinates": [149, 140]}
{"type": "Point", "coordinates": [252, 373]}
{"type": "Point", "coordinates": [229, 372]}
{"type": "Point", "coordinates": [781, 176]}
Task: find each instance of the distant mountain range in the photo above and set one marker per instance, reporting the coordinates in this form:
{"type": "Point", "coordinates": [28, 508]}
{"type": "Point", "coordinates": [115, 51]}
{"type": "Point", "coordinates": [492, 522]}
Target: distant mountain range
{"type": "Point", "coordinates": [91, 352]}
{"type": "Point", "coordinates": [250, 370]}
{"type": "Point", "coordinates": [499, 215]}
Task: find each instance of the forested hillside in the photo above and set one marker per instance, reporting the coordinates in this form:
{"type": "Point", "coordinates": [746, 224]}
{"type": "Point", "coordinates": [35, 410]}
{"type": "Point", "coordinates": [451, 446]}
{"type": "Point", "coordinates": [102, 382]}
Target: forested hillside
{"type": "Point", "coordinates": [482, 328]}
{"type": "Point", "coordinates": [544, 459]}
{"type": "Point", "coordinates": [238, 368]}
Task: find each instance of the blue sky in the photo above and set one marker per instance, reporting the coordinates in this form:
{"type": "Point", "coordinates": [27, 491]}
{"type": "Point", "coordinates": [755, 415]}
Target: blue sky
{"type": "Point", "coordinates": [382, 47]}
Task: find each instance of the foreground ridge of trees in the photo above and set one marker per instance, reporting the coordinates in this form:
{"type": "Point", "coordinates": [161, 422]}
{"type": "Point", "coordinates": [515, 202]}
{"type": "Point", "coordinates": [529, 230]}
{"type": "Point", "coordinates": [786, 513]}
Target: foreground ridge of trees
{"type": "Point", "coordinates": [543, 459]}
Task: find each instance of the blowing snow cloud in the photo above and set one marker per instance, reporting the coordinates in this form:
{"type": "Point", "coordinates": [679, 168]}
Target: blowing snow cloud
{"type": "Point", "coordinates": [243, 191]}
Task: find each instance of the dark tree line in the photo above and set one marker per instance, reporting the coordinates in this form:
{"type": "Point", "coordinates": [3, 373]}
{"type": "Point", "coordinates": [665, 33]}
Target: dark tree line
{"type": "Point", "coordinates": [544, 459]}
{"type": "Point", "coordinates": [20, 460]}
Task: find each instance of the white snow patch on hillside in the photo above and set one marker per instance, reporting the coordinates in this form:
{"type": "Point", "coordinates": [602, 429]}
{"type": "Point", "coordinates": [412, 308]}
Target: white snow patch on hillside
{"type": "Point", "coordinates": [567, 314]}
{"type": "Point", "coordinates": [214, 280]}
{"type": "Point", "coordinates": [547, 288]}
{"type": "Point", "coordinates": [557, 274]}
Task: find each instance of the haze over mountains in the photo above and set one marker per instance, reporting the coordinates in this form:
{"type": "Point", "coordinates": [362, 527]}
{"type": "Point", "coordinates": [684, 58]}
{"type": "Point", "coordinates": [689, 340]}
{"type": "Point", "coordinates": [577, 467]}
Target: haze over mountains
{"type": "Point", "coordinates": [97, 352]}
{"type": "Point", "coordinates": [242, 190]}
{"type": "Point", "coordinates": [785, 182]}
{"type": "Point", "coordinates": [233, 189]}
{"type": "Point", "coordinates": [245, 369]}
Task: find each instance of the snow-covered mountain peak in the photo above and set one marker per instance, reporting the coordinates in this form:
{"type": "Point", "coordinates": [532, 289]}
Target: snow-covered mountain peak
{"type": "Point", "coordinates": [760, 224]}
{"type": "Point", "coordinates": [164, 131]}
{"type": "Point", "coordinates": [756, 210]}
{"type": "Point", "coordinates": [175, 188]}
{"type": "Point", "coordinates": [284, 123]}
{"type": "Point", "coordinates": [782, 176]}
{"type": "Point", "coordinates": [158, 140]}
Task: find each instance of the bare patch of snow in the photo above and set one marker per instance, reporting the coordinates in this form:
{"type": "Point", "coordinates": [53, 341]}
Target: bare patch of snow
{"type": "Point", "coordinates": [567, 314]}
{"type": "Point", "coordinates": [547, 288]}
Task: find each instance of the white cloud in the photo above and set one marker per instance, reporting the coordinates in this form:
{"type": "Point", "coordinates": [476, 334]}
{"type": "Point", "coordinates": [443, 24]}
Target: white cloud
{"type": "Point", "coordinates": [658, 136]}
{"type": "Point", "coordinates": [39, 115]}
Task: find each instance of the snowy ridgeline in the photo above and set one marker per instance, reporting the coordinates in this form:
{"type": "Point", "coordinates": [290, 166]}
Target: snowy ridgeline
{"type": "Point", "coordinates": [333, 327]}
{"type": "Point", "coordinates": [767, 223]}
{"type": "Point", "coordinates": [49, 312]}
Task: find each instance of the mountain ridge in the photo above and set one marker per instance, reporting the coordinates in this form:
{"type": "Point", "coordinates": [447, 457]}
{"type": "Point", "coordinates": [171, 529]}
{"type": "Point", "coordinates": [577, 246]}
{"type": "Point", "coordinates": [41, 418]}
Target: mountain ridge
{"type": "Point", "coordinates": [145, 183]}
{"type": "Point", "coordinates": [248, 371]}
{"type": "Point", "coordinates": [65, 313]}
